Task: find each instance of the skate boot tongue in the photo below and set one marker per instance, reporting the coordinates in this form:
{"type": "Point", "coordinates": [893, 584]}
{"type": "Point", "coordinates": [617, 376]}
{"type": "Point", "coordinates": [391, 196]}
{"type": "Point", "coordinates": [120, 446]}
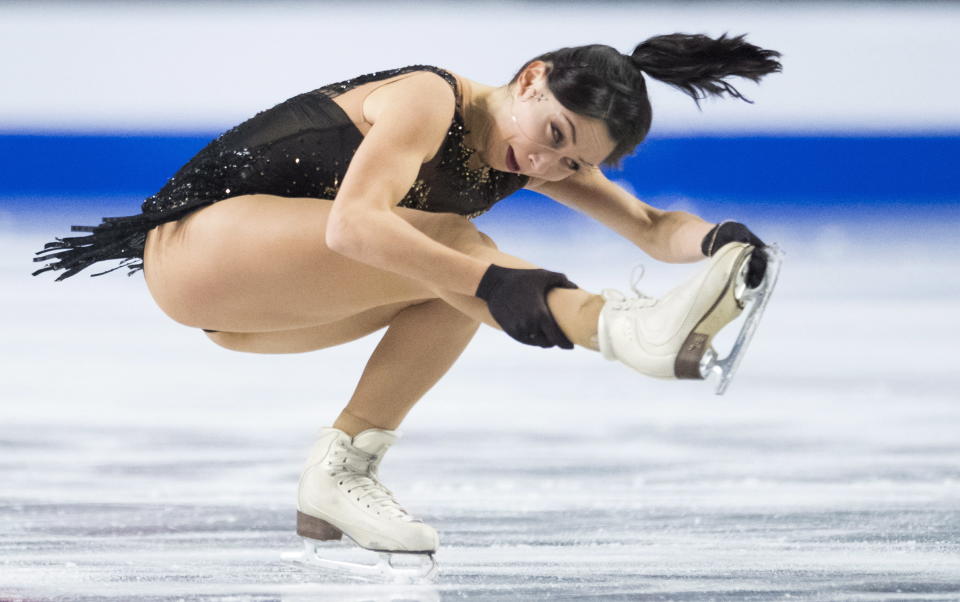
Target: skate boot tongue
{"type": "Point", "coordinates": [375, 441]}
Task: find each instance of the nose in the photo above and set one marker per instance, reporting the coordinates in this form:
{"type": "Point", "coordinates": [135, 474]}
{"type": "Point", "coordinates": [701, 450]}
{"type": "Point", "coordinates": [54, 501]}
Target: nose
{"type": "Point", "coordinates": [544, 160]}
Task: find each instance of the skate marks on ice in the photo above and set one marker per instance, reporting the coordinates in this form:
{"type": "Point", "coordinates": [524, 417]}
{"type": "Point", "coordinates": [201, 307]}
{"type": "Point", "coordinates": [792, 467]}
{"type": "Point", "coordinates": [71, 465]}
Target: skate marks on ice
{"type": "Point", "coordinates": [155, 466]}
{"type": "Point", "coordinates": [690, 510]}
{"type": "Point", "coordinates": [389, 567]}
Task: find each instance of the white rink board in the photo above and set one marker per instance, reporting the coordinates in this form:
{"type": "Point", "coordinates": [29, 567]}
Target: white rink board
{"type": "Point", "coordinates": [142, 462]}
{"type": "Point", "coordinates": [848, 67]}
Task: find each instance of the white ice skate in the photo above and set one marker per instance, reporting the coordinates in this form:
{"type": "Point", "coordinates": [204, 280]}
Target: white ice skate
{"type": "Point", "coordinates": [340, 494]}
{"type": "Point", "coordinates": [670, 337]}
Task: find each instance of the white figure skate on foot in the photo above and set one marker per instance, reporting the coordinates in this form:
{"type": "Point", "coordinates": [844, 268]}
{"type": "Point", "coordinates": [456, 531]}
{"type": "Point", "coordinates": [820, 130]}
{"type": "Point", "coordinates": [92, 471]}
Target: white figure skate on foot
{"type": "Point", "coordinates": [670, 337]}
{"type": "Point", "coordinates": [340, 494]}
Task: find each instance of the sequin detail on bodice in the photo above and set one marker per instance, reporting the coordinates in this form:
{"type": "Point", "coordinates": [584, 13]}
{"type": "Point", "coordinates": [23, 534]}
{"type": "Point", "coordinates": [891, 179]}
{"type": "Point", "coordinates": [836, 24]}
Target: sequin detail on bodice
{"type": "Point", "coordinates": [303, 146]}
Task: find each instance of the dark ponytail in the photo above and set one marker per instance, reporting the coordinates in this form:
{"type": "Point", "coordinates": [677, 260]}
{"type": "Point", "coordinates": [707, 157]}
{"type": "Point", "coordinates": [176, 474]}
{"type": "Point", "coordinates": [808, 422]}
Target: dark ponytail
{"type": "Point", "coordinates": [697, 64]}
{"type": "Point", "coordinates": [599, 81]}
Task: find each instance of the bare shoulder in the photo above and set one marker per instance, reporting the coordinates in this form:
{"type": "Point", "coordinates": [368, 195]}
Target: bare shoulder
{"type": "Point", "coordinates": [420, 95]}
{"type": "Point", "coordinates": [410, 114]}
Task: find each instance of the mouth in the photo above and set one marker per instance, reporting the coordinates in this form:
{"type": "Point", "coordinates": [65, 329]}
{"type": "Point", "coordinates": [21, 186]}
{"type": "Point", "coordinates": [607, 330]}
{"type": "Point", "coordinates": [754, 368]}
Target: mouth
{"type": "Point", "coordinates": [511, 160]}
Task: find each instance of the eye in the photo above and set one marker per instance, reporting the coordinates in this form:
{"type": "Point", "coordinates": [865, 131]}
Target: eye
{"type": "Point", "coordinates": [557, 134]}
{"type": "Point", "coordinates": [557, 139]}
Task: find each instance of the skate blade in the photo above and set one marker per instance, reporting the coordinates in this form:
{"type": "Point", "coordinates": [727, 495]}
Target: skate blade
{"type": "Point", "coordinates": [391, 567]}
{"type": "Point", "coordinates": [757, 300]}
{"type": "Point", "coordinates": [725, 309]}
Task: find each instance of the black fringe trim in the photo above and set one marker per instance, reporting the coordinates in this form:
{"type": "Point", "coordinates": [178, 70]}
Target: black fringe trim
{"type": "Point", "coordinates": [120, 238]}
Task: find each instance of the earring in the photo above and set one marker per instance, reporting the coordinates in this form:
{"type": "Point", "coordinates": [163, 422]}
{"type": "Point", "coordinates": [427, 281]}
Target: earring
{"type": "Point", "coordinates": [542, 98]}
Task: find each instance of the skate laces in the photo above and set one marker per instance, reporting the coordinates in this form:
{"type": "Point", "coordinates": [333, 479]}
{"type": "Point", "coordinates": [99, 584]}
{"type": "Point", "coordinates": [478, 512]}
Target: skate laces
{"type": "Point", "coordinates": [635, 279]}
{"type": "Point", "coordinates": [621, 301]}
{"type": "Point", "coordinates": [362, 483]}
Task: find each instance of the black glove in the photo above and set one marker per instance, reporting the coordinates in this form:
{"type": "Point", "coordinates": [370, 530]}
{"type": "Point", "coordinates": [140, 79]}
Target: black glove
{"type": "Point", "coordinates": [518, 301]}
{"type": "Point", "coordinates": [726, 232]}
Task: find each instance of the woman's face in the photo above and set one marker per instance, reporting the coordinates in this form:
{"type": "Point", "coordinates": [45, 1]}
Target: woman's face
{"type": "Point", "coordinates": [544, 140]}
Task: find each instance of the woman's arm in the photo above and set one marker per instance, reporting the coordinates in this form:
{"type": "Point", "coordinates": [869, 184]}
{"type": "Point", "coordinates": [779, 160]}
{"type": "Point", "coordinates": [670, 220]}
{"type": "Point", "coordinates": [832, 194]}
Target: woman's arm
{"type": "Point", "coordinates": [410, 122]}
{"type": "Point", "coordinates": [671, 236]}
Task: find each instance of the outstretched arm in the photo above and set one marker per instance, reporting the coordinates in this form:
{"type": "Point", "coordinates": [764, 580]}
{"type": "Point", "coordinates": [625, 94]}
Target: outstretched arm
{"type": "Point", "coordinates": [671, 236]}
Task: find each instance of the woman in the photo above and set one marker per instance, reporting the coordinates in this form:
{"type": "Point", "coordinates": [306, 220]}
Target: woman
{"type": "Point", "coordinates": [346, 209]}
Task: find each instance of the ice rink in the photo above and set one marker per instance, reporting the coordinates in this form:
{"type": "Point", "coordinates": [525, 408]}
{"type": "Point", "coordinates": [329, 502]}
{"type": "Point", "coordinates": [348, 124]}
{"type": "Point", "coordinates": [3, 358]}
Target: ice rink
{"type": "Point", "coordinates": [141, 462]}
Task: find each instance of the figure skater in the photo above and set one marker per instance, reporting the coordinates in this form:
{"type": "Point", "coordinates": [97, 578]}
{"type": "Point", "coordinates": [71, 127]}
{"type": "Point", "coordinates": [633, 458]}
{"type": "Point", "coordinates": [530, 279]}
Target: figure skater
{"type": "Point", "coordinates": [347, 209]}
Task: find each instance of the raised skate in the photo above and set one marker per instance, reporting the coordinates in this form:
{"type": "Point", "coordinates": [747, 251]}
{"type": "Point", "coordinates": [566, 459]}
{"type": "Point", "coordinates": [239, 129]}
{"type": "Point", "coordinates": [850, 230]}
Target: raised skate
{"type": "Point", "coordinates": [671, 337]}
{"type": "Point", "coordinates": [340, 494]}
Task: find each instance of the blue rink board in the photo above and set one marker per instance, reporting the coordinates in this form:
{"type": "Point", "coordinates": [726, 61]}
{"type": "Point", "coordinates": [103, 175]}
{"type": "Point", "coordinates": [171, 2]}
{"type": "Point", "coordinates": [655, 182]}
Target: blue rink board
{"type": "Point", "coordinates": [49, 173]}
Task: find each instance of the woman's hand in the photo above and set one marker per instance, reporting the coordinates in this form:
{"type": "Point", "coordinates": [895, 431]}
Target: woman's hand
{"type": "Point", "coordinates": [517, 301]}
{"type": "Point", "coordinates": [727, 232]}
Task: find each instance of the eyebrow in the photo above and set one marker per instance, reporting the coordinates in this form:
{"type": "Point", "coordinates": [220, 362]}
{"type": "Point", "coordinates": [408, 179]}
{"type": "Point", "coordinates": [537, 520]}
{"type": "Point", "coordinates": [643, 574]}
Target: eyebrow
{"type": "Point", "coordinates": [573, 132]}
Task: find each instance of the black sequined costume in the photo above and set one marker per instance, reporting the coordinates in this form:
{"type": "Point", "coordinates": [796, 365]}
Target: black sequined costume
{"type": "Point", "coordinates": [299, 148]}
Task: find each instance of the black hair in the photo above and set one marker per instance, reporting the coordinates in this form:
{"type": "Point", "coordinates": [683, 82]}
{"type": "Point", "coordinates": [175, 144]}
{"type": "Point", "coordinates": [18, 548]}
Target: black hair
{"type": "Point", "coordinates": [599, 81]}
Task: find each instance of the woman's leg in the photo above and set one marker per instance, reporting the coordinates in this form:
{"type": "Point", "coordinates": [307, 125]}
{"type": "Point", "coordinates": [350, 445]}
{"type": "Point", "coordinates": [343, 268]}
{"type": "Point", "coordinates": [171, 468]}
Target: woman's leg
{"type": "Point", "coordinates": [422, 342]}
{"type": "Point", "coordinates": [259, 263]}
{"type": "Point", "coordinates": [575, 310]}
{"type": "Point", "coordinates": [312, 338]}
{"type": "Point", "coordinates": [420, 345]}
{"type": "Point", "coordinates": [205, 270]}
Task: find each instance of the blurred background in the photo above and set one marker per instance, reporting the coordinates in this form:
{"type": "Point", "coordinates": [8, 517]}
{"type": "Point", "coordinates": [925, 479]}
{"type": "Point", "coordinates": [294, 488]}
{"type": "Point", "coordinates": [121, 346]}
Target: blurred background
{"type": "Point", "coordinates": [105, 100]}
{"type": "Point", "coordinates": [829, 469]}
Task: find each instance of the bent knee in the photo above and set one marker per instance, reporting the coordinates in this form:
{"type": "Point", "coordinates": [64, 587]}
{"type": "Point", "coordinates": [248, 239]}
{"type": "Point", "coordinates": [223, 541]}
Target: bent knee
{"type": "Point", "coordinates": [466, 238]}
{"type": "Point", "coordinates": [450, 229]}
{"type": "Point", "coordinates": [473, 240]}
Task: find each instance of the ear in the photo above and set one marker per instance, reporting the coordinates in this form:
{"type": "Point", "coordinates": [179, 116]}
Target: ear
{"type": "Point", "coordinates": [532, 78]}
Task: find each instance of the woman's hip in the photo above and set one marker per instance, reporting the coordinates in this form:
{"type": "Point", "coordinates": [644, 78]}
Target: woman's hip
{"type": "Point", "coordinates": [260, 263]}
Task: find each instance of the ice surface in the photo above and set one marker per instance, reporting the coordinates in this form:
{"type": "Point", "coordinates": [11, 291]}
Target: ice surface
{"type": "Point", "coordinates": [141, 462]}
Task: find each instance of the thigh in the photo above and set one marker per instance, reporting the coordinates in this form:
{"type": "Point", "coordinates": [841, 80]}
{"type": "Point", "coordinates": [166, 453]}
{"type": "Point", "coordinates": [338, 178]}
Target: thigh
{"type": "Point", "coordinates": [311, 338]}
{"type": "Point", "coordinates": [260, 263]}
